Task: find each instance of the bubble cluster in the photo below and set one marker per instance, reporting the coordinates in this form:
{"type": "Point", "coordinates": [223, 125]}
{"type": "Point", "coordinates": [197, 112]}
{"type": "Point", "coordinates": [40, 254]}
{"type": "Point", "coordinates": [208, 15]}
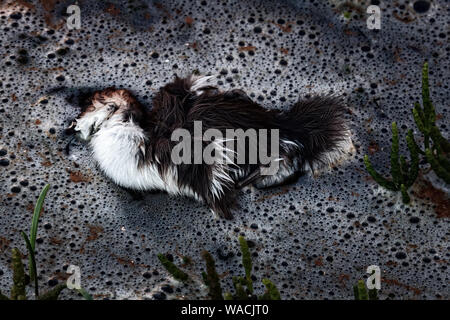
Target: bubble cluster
{"type": "Point", "coordinates": [315, 238]}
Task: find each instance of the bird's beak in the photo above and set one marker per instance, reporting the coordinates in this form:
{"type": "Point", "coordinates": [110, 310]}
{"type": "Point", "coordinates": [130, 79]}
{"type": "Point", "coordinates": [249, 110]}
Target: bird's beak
{"type": "Point", "coordinates": [70, 130]}
{"type": "Point", "coordinates": [82, 134]}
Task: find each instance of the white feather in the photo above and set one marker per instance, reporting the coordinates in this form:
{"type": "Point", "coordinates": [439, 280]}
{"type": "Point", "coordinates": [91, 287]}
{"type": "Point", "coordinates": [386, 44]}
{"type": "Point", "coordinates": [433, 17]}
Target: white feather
{"type": "Point", "coordinates": [115, 147]}
{"type": "Point", "coordinates": [199, 82]}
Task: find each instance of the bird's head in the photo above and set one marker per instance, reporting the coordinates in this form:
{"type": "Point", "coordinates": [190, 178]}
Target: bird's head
{"type": "Point", "coordinates": [102, 107]}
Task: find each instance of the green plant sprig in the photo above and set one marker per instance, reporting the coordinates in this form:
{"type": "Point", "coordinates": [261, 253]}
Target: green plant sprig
{"type": "Point", "coordinates": [243, 286]}
{"type": "Point", "coordinates": [172, 268]}
{"type": "Point", "coordinates": [403, 175]}
{"type": "Point", "coordinates": [361, 293]}
{"type": "Point", "coordinates": [436, 148]}
{"type": "Point", "coordinates": [18, 289]}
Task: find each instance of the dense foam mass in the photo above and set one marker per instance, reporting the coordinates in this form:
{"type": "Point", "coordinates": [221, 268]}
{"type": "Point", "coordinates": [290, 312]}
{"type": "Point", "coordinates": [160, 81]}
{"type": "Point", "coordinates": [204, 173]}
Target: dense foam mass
{"type": "Point", "coordinates": [314, 239]}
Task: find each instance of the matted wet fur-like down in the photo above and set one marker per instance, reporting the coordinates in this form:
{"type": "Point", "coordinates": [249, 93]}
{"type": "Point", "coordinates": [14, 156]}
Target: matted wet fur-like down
{"type": "Point", "coordinates": [133, 145]}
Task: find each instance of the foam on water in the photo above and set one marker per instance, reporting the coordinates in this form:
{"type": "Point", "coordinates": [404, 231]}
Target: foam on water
{"type": "Point", "coordinates": [314, 239]}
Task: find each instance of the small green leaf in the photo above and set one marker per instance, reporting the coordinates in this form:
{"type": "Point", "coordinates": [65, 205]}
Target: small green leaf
{"type": "Point", "coordinates": [362, 291]}
{"type": "Point", "coordinates": [414, 154]}
{"type": "Point", "coordinates": [246, 262]}
{"type": "Point", "coordinates": [172, 268]}
{"type": "Point", "coordinates": [32, 267]}
{"type": "Point", "coordinates": [385, 183]}
{"type": "Point", "coordinates": [85, 294]}
{"type": "Point", "coordinates": [18, 288]}
{"type": "Point", "coordinates": [272, 290]}
{"type": "Point", "coordinates": [205, 278]}
{"type": "Point", "coordinates": [34, 223]}
{"type": "Point", "coordinates": [403, 168]}
{"type": "Point", "coordinates": [227, 296]}
{"type": "Point", "coordinates": [441, 172]}
{"type": "Point", "coordinates": [395, 165]}
{"type": "Point", "coordinates": [439, 141]}
{"type": "Point", "coordinates": [405, 196]}
{"type": "Point", "coordinates": [240, 292]}
{"type": "Point", "coordinates": [356, 292]}
{"type": "Point", "coordinates": [211, 277]}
